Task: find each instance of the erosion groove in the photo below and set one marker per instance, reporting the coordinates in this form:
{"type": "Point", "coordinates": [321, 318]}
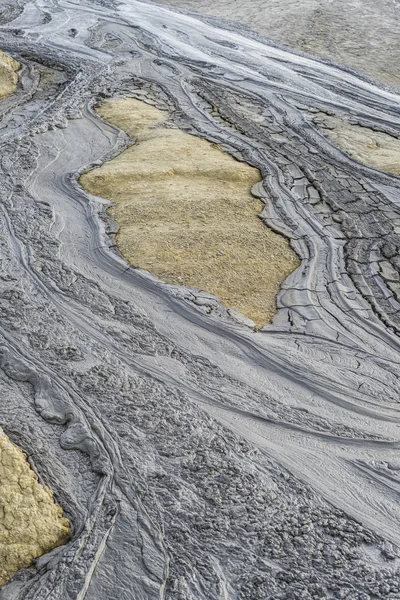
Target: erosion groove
{"type": "Point", "coordinates": [186, 214]}
{"type": "Point", "coordinates": [199, 458]}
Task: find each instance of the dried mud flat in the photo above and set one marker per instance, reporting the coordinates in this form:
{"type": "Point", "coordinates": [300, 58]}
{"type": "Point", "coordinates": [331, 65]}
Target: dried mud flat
{"type": "Point", "coordinates": [194, 457]}
{"type": "Point", "coordinates": [185, 213]}
{"type": "Point", "coordinates": [372, 148]}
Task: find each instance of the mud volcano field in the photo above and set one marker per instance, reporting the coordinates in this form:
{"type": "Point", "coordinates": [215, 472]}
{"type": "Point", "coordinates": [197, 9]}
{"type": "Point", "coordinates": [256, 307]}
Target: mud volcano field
{"type": "Point", "coordinates": [199, 301]}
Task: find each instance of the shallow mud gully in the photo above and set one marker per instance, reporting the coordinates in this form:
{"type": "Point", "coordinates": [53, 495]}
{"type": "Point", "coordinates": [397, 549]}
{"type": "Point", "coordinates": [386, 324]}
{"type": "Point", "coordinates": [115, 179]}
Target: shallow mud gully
{"type": "Point", "coordinates": [195, 457]}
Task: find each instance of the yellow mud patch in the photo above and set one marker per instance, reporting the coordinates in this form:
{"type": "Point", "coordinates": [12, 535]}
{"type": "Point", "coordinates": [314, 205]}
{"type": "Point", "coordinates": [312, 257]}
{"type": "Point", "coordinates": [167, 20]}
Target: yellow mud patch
{"type": "Point", "coordinates": [8, 75]}
{"type": "Point", "coordinates": [372, 148]}
{"type": "Point", "coordinates": [31, 524]}
{"type": "Point", "coordinates": [186, 213]}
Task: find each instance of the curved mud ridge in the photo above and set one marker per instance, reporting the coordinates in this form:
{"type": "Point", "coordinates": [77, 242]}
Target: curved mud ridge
{"type": "Point", "coordinates": [196, 458]}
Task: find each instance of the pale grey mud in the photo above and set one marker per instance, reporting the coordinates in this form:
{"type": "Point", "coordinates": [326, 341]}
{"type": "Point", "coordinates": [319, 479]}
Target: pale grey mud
{"type": "Point", "coordinates": [195, 457]}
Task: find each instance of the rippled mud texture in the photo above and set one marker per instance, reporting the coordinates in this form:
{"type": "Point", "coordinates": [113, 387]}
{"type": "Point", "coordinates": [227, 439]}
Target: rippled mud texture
{"type": "Point", "coordinates": [31, 524]}
{"type": "Point", "coordinates": [8, 75]}
{"type": "Point", "coordinates": [362, 34]}
{"type": "Point", "coordinates": [199, 458]}
{"type": "Point", "coordinates": [373, 148]}
{"type": "Point", "coordinates": [186, 214]}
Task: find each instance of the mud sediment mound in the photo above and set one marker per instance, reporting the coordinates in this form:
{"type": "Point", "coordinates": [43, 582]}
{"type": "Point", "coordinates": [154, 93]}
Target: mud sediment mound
{"type": "Point", "coordinates": [186, 213]}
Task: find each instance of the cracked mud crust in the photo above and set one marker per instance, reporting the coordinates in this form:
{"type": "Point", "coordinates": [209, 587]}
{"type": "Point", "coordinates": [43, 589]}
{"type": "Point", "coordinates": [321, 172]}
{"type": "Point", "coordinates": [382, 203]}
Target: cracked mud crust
{"type": "Point", "coordinates": [186, 213]}
{"type": "Point", "coordinates": [8, 75]}
{"type": "Point", "coordinates": [31, 524]}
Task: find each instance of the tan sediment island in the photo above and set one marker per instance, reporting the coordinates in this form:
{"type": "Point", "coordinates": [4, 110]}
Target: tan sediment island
{"type": "Point", "coordinates": [8, 75]}
{"type": "Point", "coordinates": [372, 148]}
{"type": "Point", "coordinates": [31, 524]}
{"type": "Point", "coordinates": [186, 213]}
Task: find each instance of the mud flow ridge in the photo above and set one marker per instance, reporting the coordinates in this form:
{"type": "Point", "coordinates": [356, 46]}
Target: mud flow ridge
{"type": "Point", "coordinates": [194, 456]}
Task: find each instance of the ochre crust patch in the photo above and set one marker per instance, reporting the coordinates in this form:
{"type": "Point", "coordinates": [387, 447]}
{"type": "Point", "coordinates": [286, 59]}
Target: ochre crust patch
{"type": "Point", "coordinates": [31, 523]}
{"type": "Point", "coordinates": [186, 213]}
{"type": "Point", "coordinates": [8, 75]}
{"type": "Point", "coordinates": [372, 148]}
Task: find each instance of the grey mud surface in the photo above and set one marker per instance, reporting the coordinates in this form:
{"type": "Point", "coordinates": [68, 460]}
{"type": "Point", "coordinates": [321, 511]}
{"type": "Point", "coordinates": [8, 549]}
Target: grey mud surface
{"type": "Point", "coordinates": [362, 34]}
{"type": "Point", "coordinates": [196, 458]}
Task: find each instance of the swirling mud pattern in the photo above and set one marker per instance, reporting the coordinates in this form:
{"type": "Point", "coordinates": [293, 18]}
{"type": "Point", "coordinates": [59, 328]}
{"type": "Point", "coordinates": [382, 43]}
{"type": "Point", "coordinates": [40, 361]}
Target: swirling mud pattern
{"type": "Point", "coordinates": [195, 457]}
